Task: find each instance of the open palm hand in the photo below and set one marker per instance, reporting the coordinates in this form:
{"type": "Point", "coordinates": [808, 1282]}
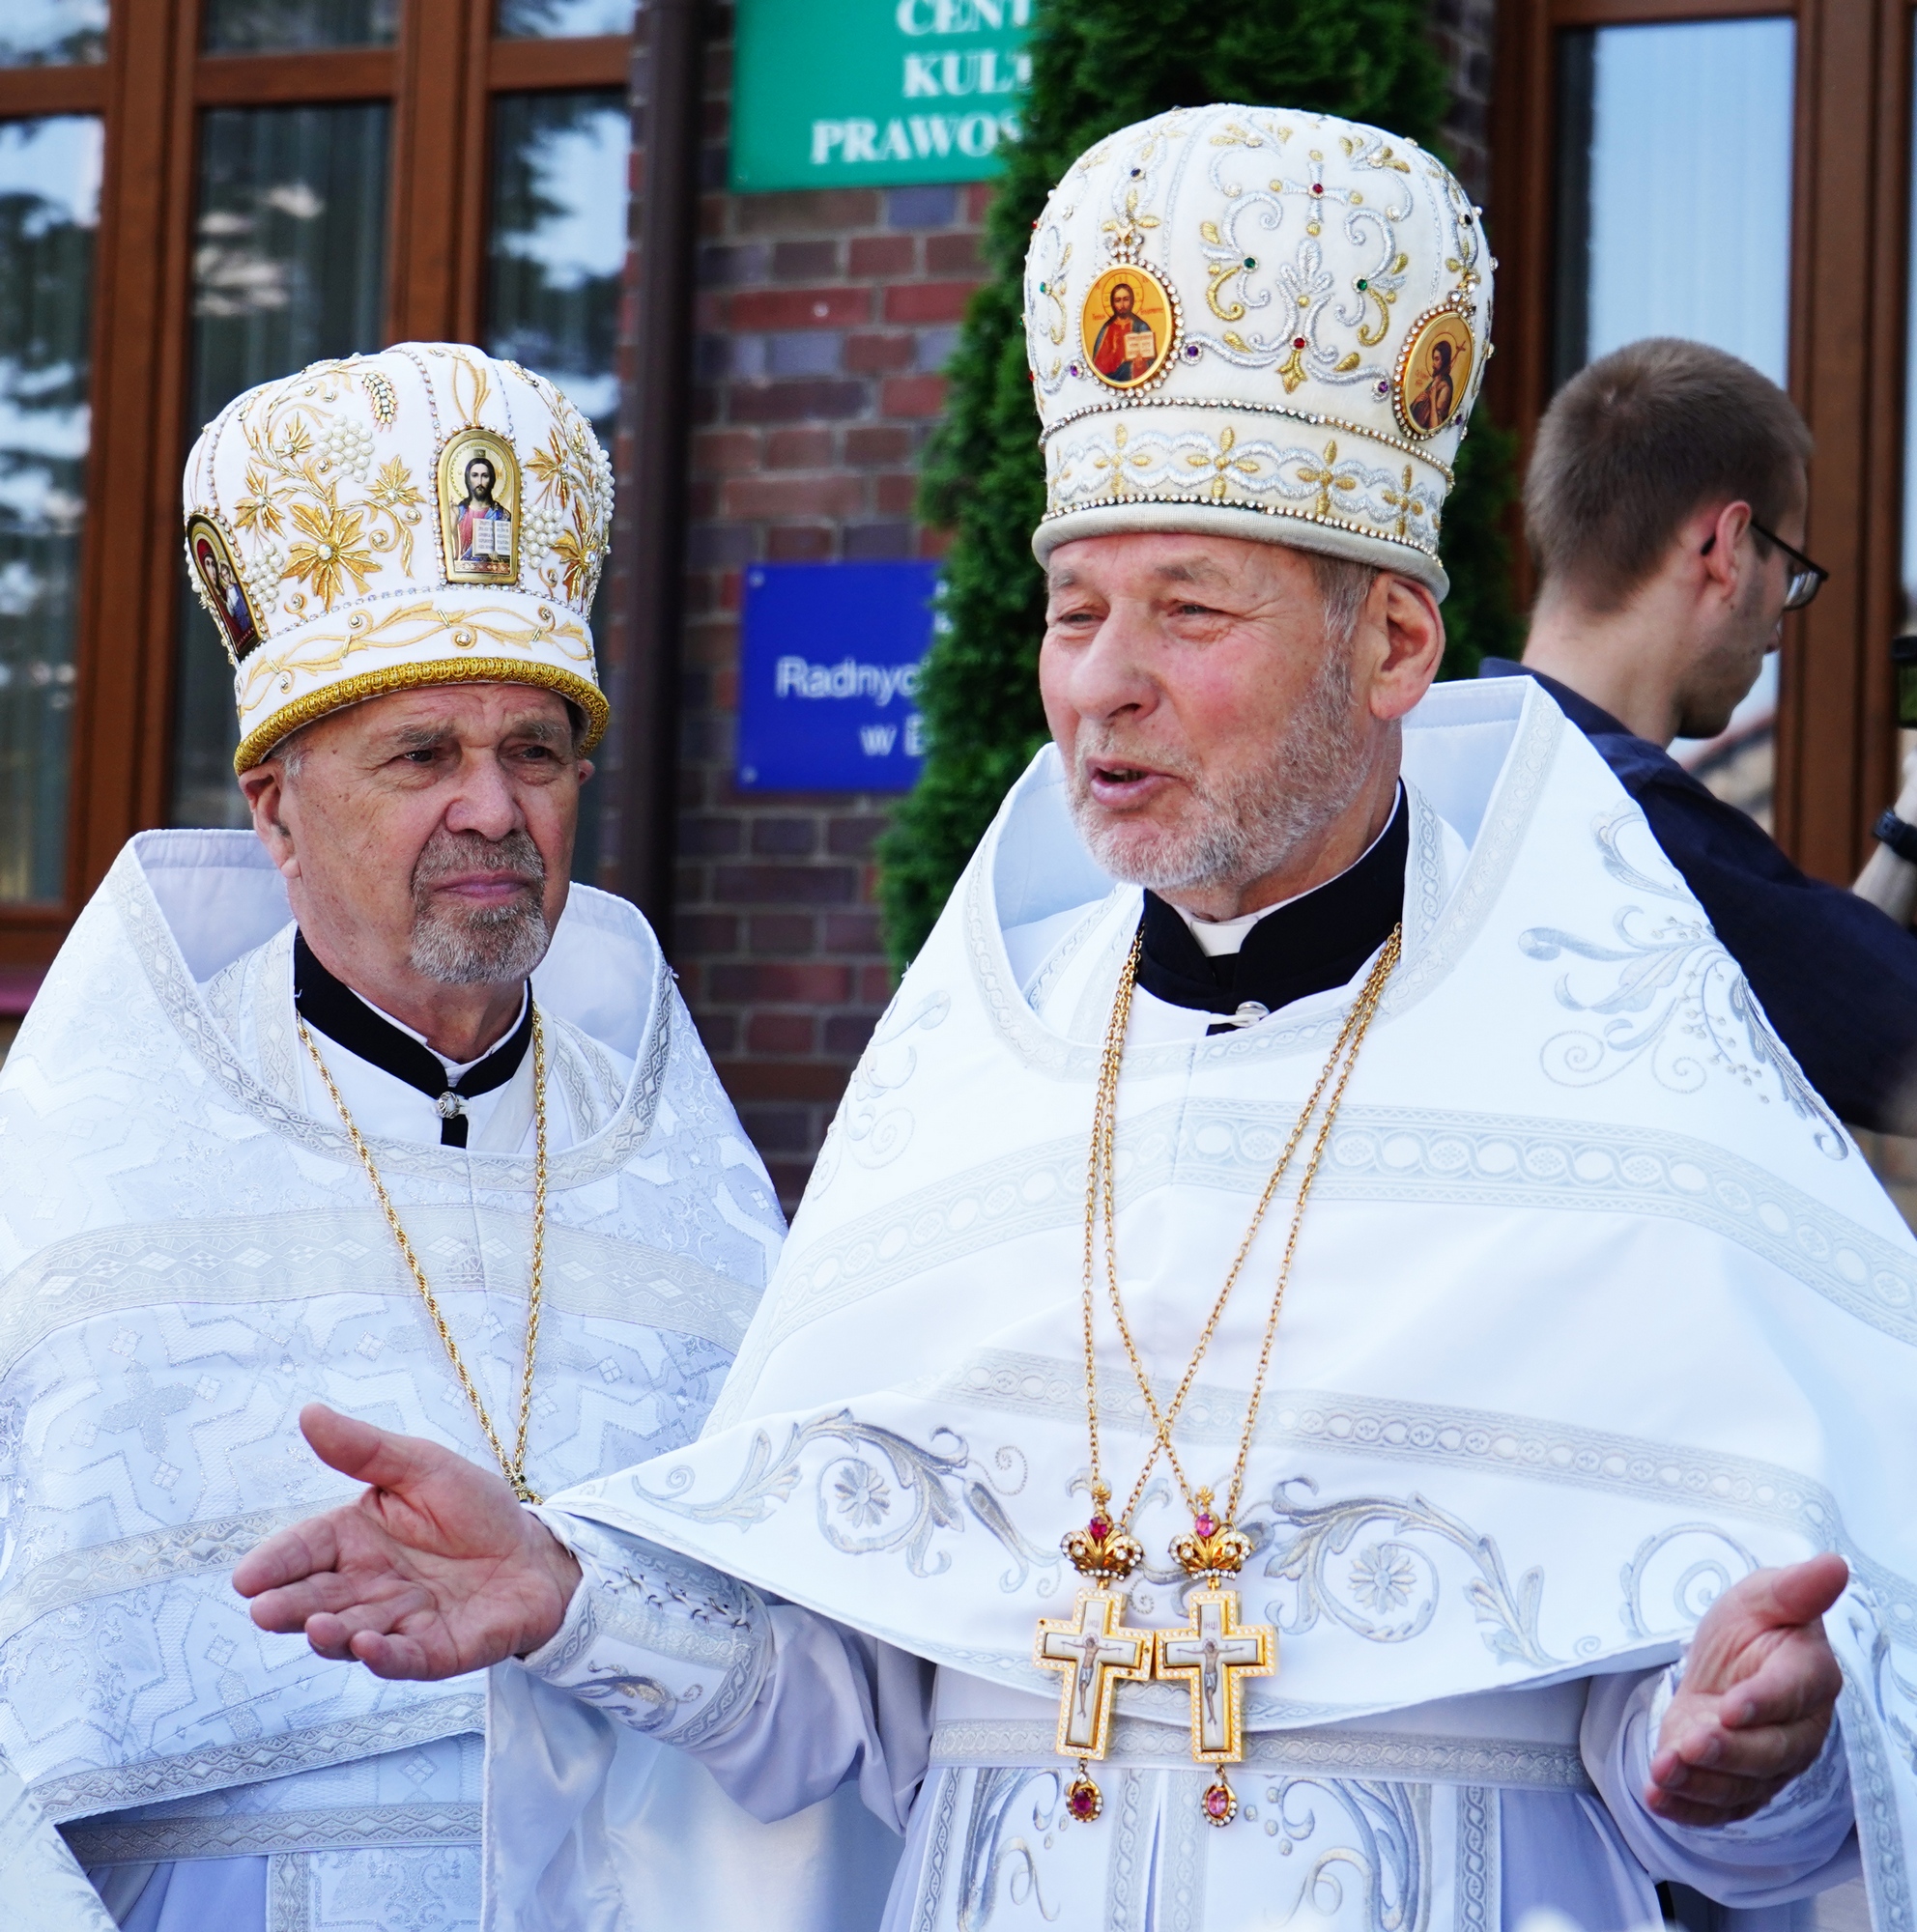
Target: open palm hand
{"type": "Point", "coordinates": [1761, 1684]}
{"type": "Point", "coordinates": [434, 1571]}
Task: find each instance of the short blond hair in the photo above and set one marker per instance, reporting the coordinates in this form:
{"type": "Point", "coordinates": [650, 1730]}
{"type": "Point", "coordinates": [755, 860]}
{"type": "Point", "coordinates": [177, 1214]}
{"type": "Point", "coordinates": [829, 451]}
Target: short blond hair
{"type": "Point", "coordinates": [1637, 442]}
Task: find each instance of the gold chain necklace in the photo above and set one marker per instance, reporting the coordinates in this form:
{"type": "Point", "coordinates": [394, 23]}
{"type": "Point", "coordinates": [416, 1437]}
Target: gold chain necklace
{"type": "Point", "coordinates": [1093, 1650]}
{"type": "Point", "coordinates": [514, 1466]}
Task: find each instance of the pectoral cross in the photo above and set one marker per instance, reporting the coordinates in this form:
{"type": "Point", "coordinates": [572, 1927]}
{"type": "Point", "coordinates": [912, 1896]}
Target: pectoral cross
{"type": "Point", "coordinates": [1091, 1651]}
{"type": "Point", "coordinates": [1215, 1656]}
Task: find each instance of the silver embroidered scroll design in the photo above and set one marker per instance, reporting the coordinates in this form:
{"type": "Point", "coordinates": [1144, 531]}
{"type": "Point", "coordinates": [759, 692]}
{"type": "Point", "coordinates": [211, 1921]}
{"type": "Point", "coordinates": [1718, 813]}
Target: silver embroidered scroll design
{"type": "Point", "coordinates": [995, 1851]}
{"type": "Point", "coordinates": [1678, 1003]}
{"type": "Point", "coordinates": [1701, 1556]}
{"type": "Point", "coordinates": [667, 1610]}
{"type": "Point", "coordinates": [875, 1129]}
{"type": "Point", "coordinates": [939, 1485]}
{"type": "Point", "coordinates": [1402, 1609]}
{"type": "Point", "coordinates": [1386, 1855]}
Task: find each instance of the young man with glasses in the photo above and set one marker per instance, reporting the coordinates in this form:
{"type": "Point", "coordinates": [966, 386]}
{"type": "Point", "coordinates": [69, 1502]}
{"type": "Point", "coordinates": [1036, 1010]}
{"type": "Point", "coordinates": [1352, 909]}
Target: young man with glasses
{"type": "Point", "coordinates": [1665, 504]}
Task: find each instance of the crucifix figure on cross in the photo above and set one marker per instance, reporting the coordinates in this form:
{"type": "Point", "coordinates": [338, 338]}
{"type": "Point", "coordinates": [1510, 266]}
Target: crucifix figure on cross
{"type": "Point", "coordinates": [1091, 1651]}
{"type": "Point", "coordinates": [1215, 1656]}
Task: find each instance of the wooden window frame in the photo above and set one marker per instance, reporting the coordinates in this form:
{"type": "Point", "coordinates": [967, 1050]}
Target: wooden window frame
{"type": "Point", "coordinates": [1837, 737]}
{"type": "Point", "coordinates": [440, 77]}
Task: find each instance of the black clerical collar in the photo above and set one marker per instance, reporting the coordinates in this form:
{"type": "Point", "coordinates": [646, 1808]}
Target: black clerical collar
{"type": "Point", "coordinates": [1317, 941]}
{"type": "Point", "coordinates": [341, 1014]}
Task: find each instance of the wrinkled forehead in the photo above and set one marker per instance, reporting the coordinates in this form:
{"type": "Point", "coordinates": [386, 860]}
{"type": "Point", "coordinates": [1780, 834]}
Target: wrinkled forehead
{"type": "Point", "coordinates": [468, 714]}
{"type": "Point", "coordinates": [1144, 564]}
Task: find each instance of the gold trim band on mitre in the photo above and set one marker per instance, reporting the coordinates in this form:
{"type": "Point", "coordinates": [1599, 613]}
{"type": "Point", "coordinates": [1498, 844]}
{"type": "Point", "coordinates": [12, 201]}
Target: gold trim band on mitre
{"type": "Point", "coordinates": [1214, 504]}
{"type": "Point", "coordinates": [415, 676]}
{"type": "Point", "coordinates": [1120, 405]}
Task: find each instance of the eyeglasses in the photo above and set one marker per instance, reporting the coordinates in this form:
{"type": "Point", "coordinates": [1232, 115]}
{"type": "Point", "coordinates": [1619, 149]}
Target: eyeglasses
{"type": "Point", "coordinates": [1806, 577]}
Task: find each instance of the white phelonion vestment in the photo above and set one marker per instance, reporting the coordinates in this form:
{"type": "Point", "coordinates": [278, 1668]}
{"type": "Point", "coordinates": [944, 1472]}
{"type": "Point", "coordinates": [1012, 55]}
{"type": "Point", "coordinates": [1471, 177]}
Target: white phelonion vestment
{"type": "Point", "coordinates": [1595, 1309]}
{"type": "Point", "coordinates": [190, 1251]}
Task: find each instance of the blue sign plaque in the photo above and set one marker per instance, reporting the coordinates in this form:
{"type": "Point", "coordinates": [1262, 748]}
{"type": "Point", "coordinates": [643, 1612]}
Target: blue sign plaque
{"type": "Point", "coordinates": [829, 662]}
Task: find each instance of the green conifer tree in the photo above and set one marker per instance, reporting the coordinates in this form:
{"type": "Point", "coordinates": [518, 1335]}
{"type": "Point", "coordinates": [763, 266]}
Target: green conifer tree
{"type": "Point", "coordinates": [1097, 64]}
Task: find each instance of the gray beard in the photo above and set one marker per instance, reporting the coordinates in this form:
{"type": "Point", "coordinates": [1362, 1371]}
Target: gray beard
{"type": "Point", "coordinates": [1252, 822]}
{"type": "Point", "coordinates": [483, 944]}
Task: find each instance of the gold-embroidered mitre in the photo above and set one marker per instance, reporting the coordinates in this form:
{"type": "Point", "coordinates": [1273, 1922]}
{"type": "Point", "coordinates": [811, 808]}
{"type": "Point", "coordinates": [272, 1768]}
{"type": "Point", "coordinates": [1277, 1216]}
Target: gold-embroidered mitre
{"type": "Point", "coordinates": [428, 514]}
{"type": "Point", "coordinates": [1260, 323]}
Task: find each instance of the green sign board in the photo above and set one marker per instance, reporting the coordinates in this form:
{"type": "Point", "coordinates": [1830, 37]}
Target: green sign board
{"type": "Point", "coordinates": [835, 93]}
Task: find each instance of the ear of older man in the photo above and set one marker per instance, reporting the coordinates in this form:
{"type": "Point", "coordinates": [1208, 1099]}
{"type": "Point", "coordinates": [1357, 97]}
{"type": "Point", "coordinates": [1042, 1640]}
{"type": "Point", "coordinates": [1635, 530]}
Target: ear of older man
{"type": "Point", "coordinates": [425, 838]}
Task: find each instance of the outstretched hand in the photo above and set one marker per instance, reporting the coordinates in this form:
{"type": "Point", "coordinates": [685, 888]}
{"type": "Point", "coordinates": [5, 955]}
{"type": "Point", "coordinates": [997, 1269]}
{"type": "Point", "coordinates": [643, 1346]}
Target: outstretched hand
{"type": "Point", "coordinates": [1759, 1687]}
{"type": "Point", "coordinates": [434, 1571]}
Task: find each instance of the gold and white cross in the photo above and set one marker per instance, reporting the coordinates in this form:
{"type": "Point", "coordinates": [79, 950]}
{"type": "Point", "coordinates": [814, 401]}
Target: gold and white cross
{"type": "Point", "coordinates": [1092, 1651]}
{"type": "Point", "coordinates": [1214, 1655]}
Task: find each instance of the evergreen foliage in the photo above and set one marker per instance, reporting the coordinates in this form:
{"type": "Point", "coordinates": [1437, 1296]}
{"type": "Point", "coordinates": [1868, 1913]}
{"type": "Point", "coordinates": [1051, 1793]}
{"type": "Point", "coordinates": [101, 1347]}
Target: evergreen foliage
{"type": "Point", "coordinates": [1098, 65]}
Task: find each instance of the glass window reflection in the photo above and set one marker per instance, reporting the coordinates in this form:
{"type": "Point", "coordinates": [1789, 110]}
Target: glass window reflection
{"type": "Point", "coordinates": [1674, 218]}
{"type": "Point", "coordinates": [53, 33]}
{"type": "Point", "coordinates": [562, 20]}
{"type": "Point", "coordinates": [271, 26]}
{"type": "Point", "coordinates": [287, 266]}
{"type": "Point", "coordinates": [558, 253]}
{"type": "Point", "coordinates": [50, 210]}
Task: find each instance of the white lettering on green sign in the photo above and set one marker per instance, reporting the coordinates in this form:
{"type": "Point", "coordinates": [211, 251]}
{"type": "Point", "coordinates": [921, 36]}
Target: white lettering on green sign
{"type": "Point", "coordinates": [843, 89]}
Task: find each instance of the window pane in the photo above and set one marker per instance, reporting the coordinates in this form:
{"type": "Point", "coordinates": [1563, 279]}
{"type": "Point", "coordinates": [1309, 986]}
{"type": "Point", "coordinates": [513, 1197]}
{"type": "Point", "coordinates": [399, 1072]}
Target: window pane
{"type": "Point", "coordinates": [1674, 218]}
{"type": "Point", "coordinates": [562, 20]}
{"type": "Point", "coordinates": [50, 206]}
{"type": "Point", "coordinates": [289, 265]}
{"type": "Point", "coordinates": [53, 33]}
{"type": "Point", "coordinates": [263, 26]}
{"type": "Point", "coordinates": [558, 252]}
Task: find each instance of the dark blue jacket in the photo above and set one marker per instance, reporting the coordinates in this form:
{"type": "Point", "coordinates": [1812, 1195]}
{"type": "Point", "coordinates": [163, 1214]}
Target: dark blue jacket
{"type": "Point", "coordinates": [1837, 977]}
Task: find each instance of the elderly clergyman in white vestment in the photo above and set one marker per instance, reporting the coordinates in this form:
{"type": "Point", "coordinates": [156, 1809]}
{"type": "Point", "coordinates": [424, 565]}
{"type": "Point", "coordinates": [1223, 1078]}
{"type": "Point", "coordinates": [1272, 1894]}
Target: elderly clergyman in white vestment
{"type": "Point", "coordinates": [257, 1065]}
{"type": "Point", "coordinates": [1332, 1373]}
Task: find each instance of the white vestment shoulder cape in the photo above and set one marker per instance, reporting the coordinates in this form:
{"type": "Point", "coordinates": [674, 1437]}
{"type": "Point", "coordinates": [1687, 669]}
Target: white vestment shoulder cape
{"type": "Point", "coordinates": [186, 1258]}
{"type": "Point", "coordinates": [1595, 1306]}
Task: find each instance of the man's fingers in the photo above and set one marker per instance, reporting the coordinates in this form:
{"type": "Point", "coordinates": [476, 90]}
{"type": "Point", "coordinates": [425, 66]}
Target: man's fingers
{"type": "Point", "coordinates": [311, 1546]}
{"type": "Point", "coordinates": [395, 1656]}
{"type": "Point", "coordinates": [1771, 1753]}
{"type": "Point", "coordinates": [376, 1456]}
{"type": "Point", "coordinates": [1796, 1594]}
{"type": "Point", "coordinates": [1682, 1808]}
{"type": "Point", "coordinates": [1799, 1679]}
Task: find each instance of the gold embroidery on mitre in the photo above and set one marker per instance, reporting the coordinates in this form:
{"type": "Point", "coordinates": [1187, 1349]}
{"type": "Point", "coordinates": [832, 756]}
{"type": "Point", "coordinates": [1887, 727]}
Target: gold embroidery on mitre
{"type": "Point", "coordinates": [1128, 327]}
{"type": "Point", "coordinates": [406, 628]}
{"type": "Point", "coordinates": [480, 503]}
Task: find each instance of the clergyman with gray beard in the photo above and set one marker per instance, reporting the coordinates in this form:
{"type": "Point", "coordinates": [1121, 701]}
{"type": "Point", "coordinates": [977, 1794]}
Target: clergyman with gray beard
{"type": "Point", "coordinates": [403, 1118]}
{"type": "Point", "coordinates": [425, 839]}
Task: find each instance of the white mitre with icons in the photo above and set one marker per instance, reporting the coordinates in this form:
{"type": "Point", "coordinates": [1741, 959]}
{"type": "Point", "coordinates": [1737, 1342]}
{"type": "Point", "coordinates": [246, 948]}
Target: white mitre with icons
{"type": "Point", "coordinates": [1261, 323]}
{"type": "Point", "coordinates": [428, 514]}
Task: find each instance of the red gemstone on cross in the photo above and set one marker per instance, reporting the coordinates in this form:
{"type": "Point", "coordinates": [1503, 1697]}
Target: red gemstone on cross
{"type": "Point", "coordinates": [1297, 342]}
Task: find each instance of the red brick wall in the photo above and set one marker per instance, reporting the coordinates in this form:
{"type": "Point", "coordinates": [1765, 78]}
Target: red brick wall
{"type": "Point", "coordinates": [823, 321]}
